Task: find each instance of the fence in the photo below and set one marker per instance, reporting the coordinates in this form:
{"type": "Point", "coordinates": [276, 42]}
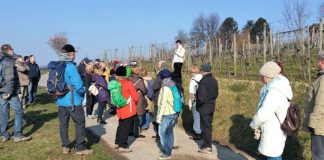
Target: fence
{"type": "Point", "coordinates": [239, 57]}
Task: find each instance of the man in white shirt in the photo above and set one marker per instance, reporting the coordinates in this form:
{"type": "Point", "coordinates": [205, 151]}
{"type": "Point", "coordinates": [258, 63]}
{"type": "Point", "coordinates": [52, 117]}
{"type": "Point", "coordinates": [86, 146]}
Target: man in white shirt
{"type": "Point", "coordinates": [178, 59]}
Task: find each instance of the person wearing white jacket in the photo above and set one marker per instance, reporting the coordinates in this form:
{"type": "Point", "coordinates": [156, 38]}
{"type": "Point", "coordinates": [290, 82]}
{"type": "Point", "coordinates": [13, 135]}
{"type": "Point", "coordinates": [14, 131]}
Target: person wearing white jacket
{"type": "Point", "coordinates": [178, 59]}
{"type": "Point", "coordinates": [271, 112]}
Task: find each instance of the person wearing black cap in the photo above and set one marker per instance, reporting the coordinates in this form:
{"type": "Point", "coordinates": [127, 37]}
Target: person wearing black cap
{"type": "Point", "coordinates": [206, 100]}
{"type": "Point", "coordinates": [70, 104]}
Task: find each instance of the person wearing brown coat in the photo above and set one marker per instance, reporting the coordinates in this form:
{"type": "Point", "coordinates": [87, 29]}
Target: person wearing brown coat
{"type": "Point", "coordinates": [142, 102]}
{"type": "Point", "coordinates": [314, 112]}
{"type": "Point", "coordinates": [22, 69]}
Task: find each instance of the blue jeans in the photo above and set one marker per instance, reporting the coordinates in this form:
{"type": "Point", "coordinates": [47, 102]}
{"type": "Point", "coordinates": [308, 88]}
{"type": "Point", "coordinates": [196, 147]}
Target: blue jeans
{"type": "Point", "coordinates": [196, 118]}
{"type": "Point", "coordinates": [19, 113]}
{"type": "Point", "coordinates": [166, 133]}
{"type": "Point", "coordinates": [317, 147]}
{"type": "Point", "coordinates": [262, 157]}
{"type": "Point", "coordinates": [32, 90]}
{"type": "Point", "coordinates": [145, 120]}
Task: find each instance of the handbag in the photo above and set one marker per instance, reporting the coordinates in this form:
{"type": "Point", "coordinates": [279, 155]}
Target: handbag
{"type": "Point", "coordinates": [93, 89]}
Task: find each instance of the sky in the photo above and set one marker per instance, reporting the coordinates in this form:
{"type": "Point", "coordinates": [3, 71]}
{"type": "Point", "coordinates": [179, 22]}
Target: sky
{"type": "Point", "coordinates": [99, 25]}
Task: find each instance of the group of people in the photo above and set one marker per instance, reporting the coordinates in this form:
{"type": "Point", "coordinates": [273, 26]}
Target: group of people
{"type": "Point", "coordinates": [18, 86]}
{"type": "Point", "coordinates": [92, 82]}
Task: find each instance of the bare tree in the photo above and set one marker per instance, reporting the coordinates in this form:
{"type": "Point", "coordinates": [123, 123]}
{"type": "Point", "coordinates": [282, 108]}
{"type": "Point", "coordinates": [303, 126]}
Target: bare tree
{"type": "Point", "coordinates": [295, 13]}
{"type": "Point", "coordinates": [205, 28]}
{"type": "Point", "coordinates": [57, 41]}
{"type": "Point", "coordinates": [182, 35]}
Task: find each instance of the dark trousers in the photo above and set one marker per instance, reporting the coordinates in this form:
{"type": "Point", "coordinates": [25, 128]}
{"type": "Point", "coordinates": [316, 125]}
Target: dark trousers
{"type": "Point", "coordinates": [206, 121]}
{"type": "Point", "coordinates": [317, 147]}
{"type": "Point", "coordinates": [90, 104]}
{"type": "Point", "coordinates": [156, 125]}
{"type": "Point", "coordinates": [137, 125]}
{"type": "Point", "coordinates": [101, 108]}
{"type": "Point", "coordinates": [77, 116]}
{"type": "Point", "coordinates": [177, 68]}
{"type": "Point", "coordinates": [125, 127]}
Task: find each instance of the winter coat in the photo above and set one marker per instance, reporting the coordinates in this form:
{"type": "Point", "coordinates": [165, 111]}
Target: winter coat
{"type": "Point", "coordinates": [165, 103]}
{"type": "Point", "coordinates": [206, 94]}
{"type": "Point", "coordinates": [273, 109]}
{"type": "Point", "coordinates": [10, 84]}
{"type": "Point", "coordinates": [72, 78]}
{"type": "Point", "coordinates": [88, 80]}
{"type": "Point", "coordinates": [179, 55]}
{"type": "Point", "coordinates": [34, 72]}
{"type": "Point", "coordinates": [193, 87]}
{"type": "Point", "coordinates": [102, 86]}
{"type": "Point", "coordinates": [23, 70]}
{"type": "Point", "coordinates": [156, 89]}
{"type": "Point", "coordinates": [81, 70]}
{"type": "Point", "coordinates": [142, 92]}
{"type": "Point", "coordinates": [130, 94]}
{"type": "Point", "coordinates": [314, 111]}
{"type": "Point", "coordinates": [149, 102]}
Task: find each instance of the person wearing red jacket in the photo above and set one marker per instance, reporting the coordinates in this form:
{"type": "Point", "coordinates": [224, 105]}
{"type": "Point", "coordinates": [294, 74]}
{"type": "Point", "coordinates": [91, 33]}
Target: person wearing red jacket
{"type": "Point", "coordinates": [125, 114]}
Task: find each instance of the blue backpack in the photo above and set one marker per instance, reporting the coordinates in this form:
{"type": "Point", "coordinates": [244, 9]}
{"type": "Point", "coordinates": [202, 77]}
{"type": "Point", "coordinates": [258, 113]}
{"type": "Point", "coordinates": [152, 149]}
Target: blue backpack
{"type": "Point", "coordinates": [56, 83]}
{"type": "Point", "coordinates": [177, 102]}
{"type": "Point", "coordinates": [150, 92]}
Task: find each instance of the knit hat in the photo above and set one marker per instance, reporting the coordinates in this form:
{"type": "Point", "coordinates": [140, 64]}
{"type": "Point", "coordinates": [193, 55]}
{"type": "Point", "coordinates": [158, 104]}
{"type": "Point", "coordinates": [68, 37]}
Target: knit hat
{"type": "Point", "coordinates": [205, 67]}
{"type": "Point", "coordinates": [165, 73]}
{"type": "Point", "coordinates": [86, 60]}
{"type": "Point", "coordinates": [121, 71]}
{"type": "Point", "coordinates": [270, 70]}
{"type": "Point", "coordinates": [68, 48]}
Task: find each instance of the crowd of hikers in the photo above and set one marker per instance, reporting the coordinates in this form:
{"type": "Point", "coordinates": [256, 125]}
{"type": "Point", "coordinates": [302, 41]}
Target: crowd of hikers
{"type": "Point", "coordinates": [131, 93]}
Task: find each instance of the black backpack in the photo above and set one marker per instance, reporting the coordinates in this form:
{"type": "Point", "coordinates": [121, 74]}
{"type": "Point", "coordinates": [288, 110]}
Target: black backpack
{"type": "Point", "coordinates": [292, 122]}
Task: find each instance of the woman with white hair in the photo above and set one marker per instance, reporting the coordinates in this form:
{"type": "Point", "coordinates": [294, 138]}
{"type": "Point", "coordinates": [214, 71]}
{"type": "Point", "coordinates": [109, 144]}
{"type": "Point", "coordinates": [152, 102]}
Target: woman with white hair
{"type": "Point", "coordinates": [271, 112]}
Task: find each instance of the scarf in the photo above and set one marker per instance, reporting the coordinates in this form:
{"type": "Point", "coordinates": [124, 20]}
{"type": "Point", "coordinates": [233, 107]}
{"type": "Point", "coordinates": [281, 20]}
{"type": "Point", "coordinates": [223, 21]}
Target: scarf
{"type": "Point", "coordinates": [265, 91]}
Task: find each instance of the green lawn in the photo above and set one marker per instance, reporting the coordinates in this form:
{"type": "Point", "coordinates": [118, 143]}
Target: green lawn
{"type": "Point", "coordinates": [42, 125]}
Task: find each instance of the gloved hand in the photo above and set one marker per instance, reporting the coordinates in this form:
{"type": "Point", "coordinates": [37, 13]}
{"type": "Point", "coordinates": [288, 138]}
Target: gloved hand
{"type": "Point", "coordinates": [257, 133]}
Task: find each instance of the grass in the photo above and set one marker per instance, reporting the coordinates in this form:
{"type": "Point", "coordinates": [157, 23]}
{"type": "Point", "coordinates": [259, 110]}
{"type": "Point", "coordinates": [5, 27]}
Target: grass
{"type": "Point", "coordinates": [42, 124]}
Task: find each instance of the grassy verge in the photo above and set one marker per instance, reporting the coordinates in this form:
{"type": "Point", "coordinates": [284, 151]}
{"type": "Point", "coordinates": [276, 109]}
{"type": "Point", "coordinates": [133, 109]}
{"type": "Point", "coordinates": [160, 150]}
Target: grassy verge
{"type": "Point", "coordinates": [42, 124]}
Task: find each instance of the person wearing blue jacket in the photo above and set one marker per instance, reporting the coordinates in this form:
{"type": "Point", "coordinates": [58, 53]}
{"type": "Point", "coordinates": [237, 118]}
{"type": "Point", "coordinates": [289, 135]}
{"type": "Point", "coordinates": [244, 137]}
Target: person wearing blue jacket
{"type": "Point", "coordinates": [70, 105]}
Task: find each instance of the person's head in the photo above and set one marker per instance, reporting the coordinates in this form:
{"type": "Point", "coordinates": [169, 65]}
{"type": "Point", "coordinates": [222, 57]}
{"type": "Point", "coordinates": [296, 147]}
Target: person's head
{"type": "Point", "coordinates": [19, 58]}
{"type": "Point", "coordinates": [178, 43]}
{"type": "Point", "coordinates": [205, 69]}
{"type": "Point", "coordinates": [162, 65]}
{"type": "Point", "coordinates": [89, 69]}
{"type": "Point", "coordinates": [7, 49]}
{"type": "Point", "coordinates": [194, 71]}
{"type": "Point", "coordinates": [281, 64]}
{"type": "Point", "coordinates": [103, 64]}
{"type": "Point", "coordinates": [269, 71]}
{"type": "Point", "coordinates": [98, 71]}
{"type": "Point", "coordinates": [26, 58]}
{"type": "Point", "coordinates": [32, 59]}
{"type": "Point", "coordinates": [320, 61]}
{"type": "Point", "coordinates": [86, 60]}
{"type": "Point", "coordinates": [165, 73]}
{"type": "Point", "coordinates": [133, 64]}
{"type": "Point", "coordinates": [143, 72]}
{"type": "Point", "coordinates": [136, 71]}
{"type": "Point", "coordinates": [121, 73]}
{"type": "Point", "coordinates": [68, 53]}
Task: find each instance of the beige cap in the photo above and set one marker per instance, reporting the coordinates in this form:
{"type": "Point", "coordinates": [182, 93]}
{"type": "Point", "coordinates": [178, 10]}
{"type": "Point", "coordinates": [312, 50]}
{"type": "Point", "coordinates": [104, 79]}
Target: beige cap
{"type": "Point", "coordinates": [270, 70]}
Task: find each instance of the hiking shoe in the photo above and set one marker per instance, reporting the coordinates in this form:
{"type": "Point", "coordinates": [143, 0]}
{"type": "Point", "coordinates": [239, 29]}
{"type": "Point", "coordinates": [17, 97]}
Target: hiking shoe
{"type": "Point", "coordinates": [5, 139]}
{"type": "Point", "coordinates": [116, 146]}
{"type": "Point", "coordinates": [113, 112]}
{"type": "Point", "coordinates": [164, 157]}
{"type": "Point", "coordinates": [22, 139]}
{"type": "Point", "coordinates": [91, 116]}
{"type": "Point", "coordinates": [95, 116]}
{"type": "Point", "coordinates": [101, 121]}
{"type": "Point", "coordinates": [84, 152]}
{"type": "Point", "coordinates": [175, 147]}
{"type": "Point", "coordinates": [205, 150]}
{"type": "Point", "coordinates": [126, 150]}
{"type": "Point", "coordinates": [139, 136]}
{"type": "Point", "coordinates": [66, 150]}
{"type": "Point", "coordinates": [196, 137]}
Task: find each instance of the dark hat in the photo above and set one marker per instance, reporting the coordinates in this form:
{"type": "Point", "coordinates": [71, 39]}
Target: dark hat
{"type": "Point", "coordinates": [121, 71]}
{"type": "Point", "coordinates": [165, 73]}
{"type": "Point", "coordinates": [68, 48]}
{"type": "Point", "coordinates": [86, 60]}
{"type": "Point", "coordinates": [205, 67]}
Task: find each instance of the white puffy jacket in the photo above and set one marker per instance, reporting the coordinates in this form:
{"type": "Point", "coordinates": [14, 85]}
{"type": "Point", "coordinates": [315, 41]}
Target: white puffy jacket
{"type": "Point", "coordinates": [276, 102]}
{"type": "Point", "coordinates": [179, 55]}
